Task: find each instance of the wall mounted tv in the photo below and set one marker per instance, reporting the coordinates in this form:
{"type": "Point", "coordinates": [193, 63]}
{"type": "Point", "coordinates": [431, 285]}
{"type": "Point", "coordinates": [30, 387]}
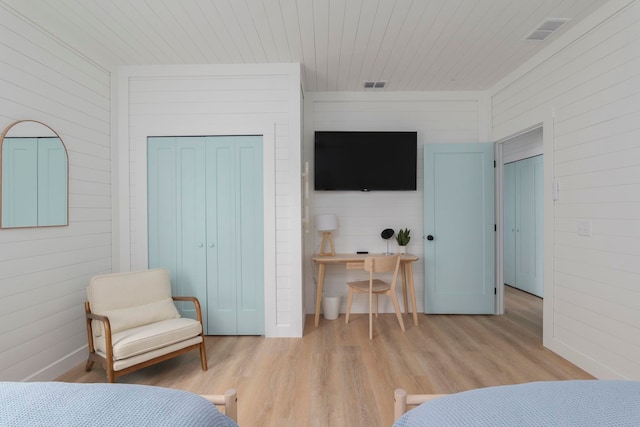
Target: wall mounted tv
{"type": "Point", "coordinates": [365, 161]}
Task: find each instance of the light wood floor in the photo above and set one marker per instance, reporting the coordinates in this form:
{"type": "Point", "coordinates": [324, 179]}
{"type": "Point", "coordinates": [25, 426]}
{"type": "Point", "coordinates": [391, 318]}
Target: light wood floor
{"type": "Point", "coordinates": [335, 376]}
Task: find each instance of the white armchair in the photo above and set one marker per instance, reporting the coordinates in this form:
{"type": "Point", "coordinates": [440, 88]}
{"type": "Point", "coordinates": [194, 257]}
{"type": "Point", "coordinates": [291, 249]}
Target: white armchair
{"type": "Point", "coordinates": [132, 322]}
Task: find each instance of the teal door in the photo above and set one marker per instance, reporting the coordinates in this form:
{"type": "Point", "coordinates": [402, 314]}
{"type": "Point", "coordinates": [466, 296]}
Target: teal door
{"type": "Point", "coordinates": [176, 215]}
{"type": "Point", "coordinates": [509, 229]}
{"type": "Point", "coordinates": [235, 259]}
{"type": "Point", "coordinates": [459, 228]}
{"type": "Point", "coordinates": [205, 226]}
{"type": "Point", "coordinates": [529, 204]}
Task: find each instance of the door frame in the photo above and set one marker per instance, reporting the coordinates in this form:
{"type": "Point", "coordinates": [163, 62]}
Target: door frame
{"type": "Point", "coordinates": [547, 125]}
{"type": "Point", "coordinates": [499, 146]}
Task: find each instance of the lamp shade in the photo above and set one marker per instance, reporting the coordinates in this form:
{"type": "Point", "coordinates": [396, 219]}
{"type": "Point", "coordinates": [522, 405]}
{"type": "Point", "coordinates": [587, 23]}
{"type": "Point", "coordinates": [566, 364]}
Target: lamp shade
{"type": "Point", "coordinates": [326, 222]}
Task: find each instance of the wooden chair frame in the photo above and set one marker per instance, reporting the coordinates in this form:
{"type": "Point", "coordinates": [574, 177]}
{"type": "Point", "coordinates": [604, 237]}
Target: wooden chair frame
{"type": "Point", "coordinates": [107, 362]}
{"type": "Point", "coordinates": [376, 264]}
{"type": "Point", "coordinates": [228, 400]}
{"type": "Point", "coordinates": [401, 400]}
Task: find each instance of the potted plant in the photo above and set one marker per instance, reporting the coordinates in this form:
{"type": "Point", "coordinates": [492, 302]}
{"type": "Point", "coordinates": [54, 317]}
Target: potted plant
{"type": "Point", "coordinates": [403, 239]}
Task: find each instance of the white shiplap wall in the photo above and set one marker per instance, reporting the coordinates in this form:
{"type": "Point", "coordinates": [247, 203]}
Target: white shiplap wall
{"type": "Point", "coordinates": [438, 117]}
{"type": "Point", "coordinates": [220, 100]}
{"type": "Point", "coordinates": [44, 271]}
{"type": "Point", "coordinates": [586, 88]}
{"type": "Point", "coordinates": [522, 146]}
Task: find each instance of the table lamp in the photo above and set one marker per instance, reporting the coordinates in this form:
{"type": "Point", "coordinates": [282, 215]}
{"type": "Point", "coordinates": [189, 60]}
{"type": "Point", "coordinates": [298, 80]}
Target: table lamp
{"type": "Point", "coordinates": [326, 223]}
{"type": "Point", "coordinates": [386, 234]}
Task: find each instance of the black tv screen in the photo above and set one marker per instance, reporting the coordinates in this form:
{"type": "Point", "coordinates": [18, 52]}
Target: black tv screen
{"type": "Point", "coordinates": [365, 161]}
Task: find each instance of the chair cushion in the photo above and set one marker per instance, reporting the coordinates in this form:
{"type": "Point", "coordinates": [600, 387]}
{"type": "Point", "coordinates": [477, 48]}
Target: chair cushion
{"type": "Point", "coordinates": [127, 318]}
{"type": "Point", "coordinates": [126, 290]}
{"type": "Point", "coordinates": [142, 339]}
{"type": "Point", "coordinates": [122, 290]}
{"type": "Point", "coordinates": [119, 365]}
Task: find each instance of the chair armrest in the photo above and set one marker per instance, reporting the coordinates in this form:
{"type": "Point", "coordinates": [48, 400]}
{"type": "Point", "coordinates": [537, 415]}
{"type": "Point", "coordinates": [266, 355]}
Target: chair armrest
{"type": "Point", "coordinates": [92, 316]}
{"type": "Point", "coordinates": [89, 316]}
{"type": "Point", "coordinates": [104, 320]}
{"type": "Point", "coordinates": [194, 299]}
{"type": "Point", "coordinates": [195, 302]}
{"type": "Point", "coordinates": [98, 317]}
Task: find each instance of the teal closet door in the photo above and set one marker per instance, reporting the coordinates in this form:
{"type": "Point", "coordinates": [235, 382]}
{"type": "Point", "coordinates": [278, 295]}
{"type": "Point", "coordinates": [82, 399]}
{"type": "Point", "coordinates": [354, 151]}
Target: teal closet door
{"type": "Point", "coordinates": [509, 188]}
{"type": "Point", "coordinates": [176, 215]}
{"type": "Point", "coordinates": [221, 233]}
{"type": "Point", "coordinates": [235, 235]}
{"type": "Point", "coordinates": [529, 233]}
{"type": "Point", "coordinates": [191, 268]}
{"type": "Point", "coordinates": [162, 204]}
{"type": "Point", "coordinates": [206, 226]}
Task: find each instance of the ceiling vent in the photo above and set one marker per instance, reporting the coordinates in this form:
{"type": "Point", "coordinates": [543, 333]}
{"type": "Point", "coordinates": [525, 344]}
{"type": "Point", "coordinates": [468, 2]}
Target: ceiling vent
{"type": "Point", "coordinates": [375, 85]}
{"type": "Point", "coordinates": [548, 27]}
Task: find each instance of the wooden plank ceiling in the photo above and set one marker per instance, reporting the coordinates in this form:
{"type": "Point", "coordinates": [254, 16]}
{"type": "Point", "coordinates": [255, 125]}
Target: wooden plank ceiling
{"type": "Point", "coordinates": [413, 45]}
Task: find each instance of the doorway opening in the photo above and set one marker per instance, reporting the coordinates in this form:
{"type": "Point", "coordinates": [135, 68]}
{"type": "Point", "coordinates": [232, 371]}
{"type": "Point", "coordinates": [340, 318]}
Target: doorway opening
{"type": "Point", "coordinates": [520, 182]}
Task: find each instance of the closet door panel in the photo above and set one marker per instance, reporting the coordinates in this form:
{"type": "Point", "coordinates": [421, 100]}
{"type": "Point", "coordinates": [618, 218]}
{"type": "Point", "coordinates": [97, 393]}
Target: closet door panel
{"type": "Point", "coordinates": [191, 273]}
{"type": "Point", "coordinates": [538, 170]}
{"type": "Point", "coordinates": [176, 215]}
{"type": "Point", "coordinates": [222, 237]}
{"type": "Point", "coordinates": [509, 270]}
{"type": "Point", "coordinates": [162, 204]}
{"type": "Point", "coordinates": [249, 231]}
{"type": "Point", "coordinates": [525, 225]}
{"type": "Point", "coordinates": [529, 225]}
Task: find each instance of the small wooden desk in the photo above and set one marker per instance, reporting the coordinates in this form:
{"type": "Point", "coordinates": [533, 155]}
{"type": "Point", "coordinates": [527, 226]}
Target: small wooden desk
{"type": "Point", "coordinates": [406, 261]}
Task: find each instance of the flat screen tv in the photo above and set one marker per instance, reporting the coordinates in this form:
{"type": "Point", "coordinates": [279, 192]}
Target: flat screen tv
{"type": "Point", "coordinates": [365, 161]}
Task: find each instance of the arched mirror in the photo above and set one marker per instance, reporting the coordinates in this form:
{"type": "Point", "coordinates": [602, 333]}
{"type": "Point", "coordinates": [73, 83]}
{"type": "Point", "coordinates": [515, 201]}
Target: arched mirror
{"type": "Point", "coordinates": [34, 166]}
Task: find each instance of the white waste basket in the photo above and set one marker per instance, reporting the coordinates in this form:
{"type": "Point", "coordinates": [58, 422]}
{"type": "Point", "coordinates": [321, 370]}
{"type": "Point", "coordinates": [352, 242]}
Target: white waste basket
{"type": "Point", "coordinates": [331, 307]}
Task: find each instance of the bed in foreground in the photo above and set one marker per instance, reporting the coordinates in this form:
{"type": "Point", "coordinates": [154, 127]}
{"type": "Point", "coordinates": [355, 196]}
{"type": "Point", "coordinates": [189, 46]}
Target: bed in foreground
{"type": "Point", "coordinates": [546, 403]}
{"type": "Point", "coordinates": [70, 404]}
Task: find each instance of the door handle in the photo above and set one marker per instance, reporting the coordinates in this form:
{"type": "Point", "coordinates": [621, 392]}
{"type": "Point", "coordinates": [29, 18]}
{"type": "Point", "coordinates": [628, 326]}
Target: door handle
{"type": "Point", "coordinates": [211, 245]}
{"type": "Point", "coordinates": [429, 237]}
{"type": "Point", "coordinates": [200, 245]}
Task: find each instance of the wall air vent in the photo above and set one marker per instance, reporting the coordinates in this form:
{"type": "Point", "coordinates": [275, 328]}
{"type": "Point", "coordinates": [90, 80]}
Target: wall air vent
{"type": "Point", "coordinates": [375, 85]}
{"type": "Point", "coordinates": [548, 27]}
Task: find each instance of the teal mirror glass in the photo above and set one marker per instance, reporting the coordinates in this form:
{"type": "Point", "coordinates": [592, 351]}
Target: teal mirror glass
{"type": "Point", "coordinates": [34, 176]}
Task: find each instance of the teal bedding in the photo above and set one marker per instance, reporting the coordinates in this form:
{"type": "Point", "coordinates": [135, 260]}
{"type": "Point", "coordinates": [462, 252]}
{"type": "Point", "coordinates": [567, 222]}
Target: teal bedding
{"type": "Point", "coordinates": [66, 404]}
{"type": "Point", "coordinates": [582, 403]}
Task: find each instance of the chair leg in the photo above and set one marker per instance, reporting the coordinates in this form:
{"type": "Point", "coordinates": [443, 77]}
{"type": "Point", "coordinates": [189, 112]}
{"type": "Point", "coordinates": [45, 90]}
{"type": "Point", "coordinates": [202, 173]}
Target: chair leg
{"type": "Point", "coordinates": [203, 355]}
{"type": "Point", "coordinates": [370, 316]}
{"type": "Point", "coordinates": [349, 301]}
{"type": "Point", "coordinates": [111, 376]}
{"type": "Point", "coordinates": [376, 297]}
{"type": "Point", "coordinates": [89, 365]}
{"type": "Point", "coordinates": [396, 307]}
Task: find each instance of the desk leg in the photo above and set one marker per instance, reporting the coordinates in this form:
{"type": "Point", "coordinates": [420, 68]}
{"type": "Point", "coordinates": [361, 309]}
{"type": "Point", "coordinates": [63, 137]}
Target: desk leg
{"type": "Point", "coordinates": [412, 291]}
{"type": "Point", "coordinates": [404, 286]}
{"type": "Point", "coordinates": [319, 292]}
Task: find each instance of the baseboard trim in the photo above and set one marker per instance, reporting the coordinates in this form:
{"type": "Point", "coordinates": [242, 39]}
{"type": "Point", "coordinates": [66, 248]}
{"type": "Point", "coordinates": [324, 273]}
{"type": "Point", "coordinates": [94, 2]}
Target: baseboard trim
{"type": "Point", "coordinates": [583, 361]}
{"type": "Point", "coordinates": [60, 366]}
